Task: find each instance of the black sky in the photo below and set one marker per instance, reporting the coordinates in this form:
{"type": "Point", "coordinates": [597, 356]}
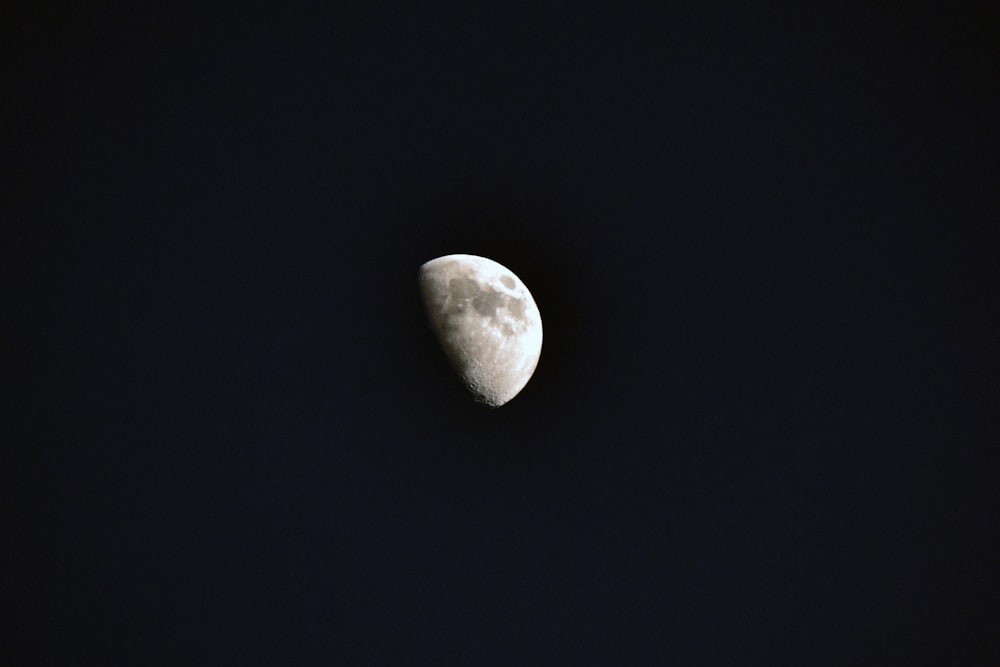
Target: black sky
{"type": "Point", "coordinates": [764, 247]}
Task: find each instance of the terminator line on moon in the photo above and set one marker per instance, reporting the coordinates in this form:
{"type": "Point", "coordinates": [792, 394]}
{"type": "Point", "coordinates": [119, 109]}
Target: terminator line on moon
{"type": "Point", "coordinates": [486, 321]}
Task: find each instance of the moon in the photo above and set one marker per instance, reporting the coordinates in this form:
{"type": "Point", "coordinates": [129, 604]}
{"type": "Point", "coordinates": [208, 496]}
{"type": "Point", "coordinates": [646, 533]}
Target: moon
{"type": "Point", "coordinates": [486, 321]}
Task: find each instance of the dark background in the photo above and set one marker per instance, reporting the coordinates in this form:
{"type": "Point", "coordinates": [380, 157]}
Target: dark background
{"type": "Point", "coordinates": [764, 246]}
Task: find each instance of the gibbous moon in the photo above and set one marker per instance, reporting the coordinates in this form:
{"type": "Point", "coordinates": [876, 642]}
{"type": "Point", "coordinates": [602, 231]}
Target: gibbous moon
{"type": "Point", "coordinates": [486, 321]}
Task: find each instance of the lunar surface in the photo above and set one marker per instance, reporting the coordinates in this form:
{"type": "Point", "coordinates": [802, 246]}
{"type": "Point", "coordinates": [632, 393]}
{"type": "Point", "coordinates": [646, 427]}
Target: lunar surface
{"type": "Point", "coordinates": [486, 321]}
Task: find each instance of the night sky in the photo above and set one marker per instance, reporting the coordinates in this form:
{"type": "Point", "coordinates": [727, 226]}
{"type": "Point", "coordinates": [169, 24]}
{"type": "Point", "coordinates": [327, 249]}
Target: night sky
{"type": "Point", "coordinates": [764, 245]}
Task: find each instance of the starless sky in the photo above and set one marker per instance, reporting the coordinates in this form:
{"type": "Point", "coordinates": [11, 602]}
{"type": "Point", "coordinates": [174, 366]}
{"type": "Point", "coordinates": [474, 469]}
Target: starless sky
{"type": "Point", "coordinates": [763, 425]}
